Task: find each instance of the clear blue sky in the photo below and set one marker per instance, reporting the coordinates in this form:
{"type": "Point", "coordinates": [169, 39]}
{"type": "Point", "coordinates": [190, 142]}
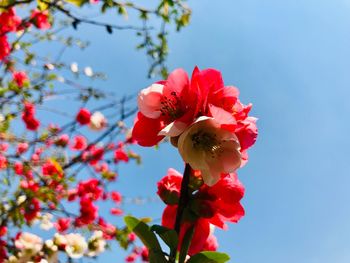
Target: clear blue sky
{"type": "Point", "coordinates": [291, 59]}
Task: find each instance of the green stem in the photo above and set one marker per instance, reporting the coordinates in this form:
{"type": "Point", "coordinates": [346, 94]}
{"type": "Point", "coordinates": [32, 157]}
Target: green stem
{"type": "Point", "coordinates": [183, 201]}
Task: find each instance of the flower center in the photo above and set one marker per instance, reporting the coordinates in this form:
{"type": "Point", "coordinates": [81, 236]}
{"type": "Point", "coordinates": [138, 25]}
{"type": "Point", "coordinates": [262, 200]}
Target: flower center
{"type": "Point", "coordinates": [171, 107]}
{"type": "Point", "coordinates": [207, 142]}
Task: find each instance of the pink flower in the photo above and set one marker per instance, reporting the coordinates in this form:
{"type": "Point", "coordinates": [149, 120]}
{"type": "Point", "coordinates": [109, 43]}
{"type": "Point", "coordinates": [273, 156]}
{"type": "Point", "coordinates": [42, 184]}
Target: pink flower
{"type": "Point", "coordinates": [209, 148]}
{"type": "Point", "coordinates": [62, 140]}
{"type": "Point", "coordinates": [83, 116]}
{"type": "Point", "coordinates": [40, 19]}
{"type": "Point", "coordinates": [4, 146]}
{"type": "Point", "coordinates": [3, 162]}
{"type": "Point", "coordinates": [150, 101]}
{"type": "Point", "coordinates": [20, 78]}
{"type": "Point", "coordinates": [22, 147]}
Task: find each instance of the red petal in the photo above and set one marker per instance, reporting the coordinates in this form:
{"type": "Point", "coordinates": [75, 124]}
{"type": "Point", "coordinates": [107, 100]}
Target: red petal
{"type": "Point", "coordinates": [145, 130]}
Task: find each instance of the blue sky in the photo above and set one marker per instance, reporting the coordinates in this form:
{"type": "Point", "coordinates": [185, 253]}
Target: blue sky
{"type": "Point", "coordinates": [291, 59]}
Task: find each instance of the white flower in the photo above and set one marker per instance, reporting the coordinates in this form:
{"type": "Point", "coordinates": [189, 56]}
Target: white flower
{"type": "Point", "coordinates": [46, 223]}
{"type": "Point", "coordinates": [205, 146]}
{"type": "Point", "coordinates": [50, 66]}
{"type": "Point", "coordinates": [97, 244]}
{"type": "Point", "coordinates": [74, 67]}
{"type": "Point", "coordinates": [88, 71]}
{"type": "Point", "coordinates": [29, 244]}
{"type": "Point", "coordinates": [2, 118]}
{"type": "Point", "coordinates": [97, 121]}
{"type": "Point", "coordinates": [59, 240]}
{"type": "Point", "coordinates": [21, 199]}
{"type": "Point", "coordinates": [76, 245]}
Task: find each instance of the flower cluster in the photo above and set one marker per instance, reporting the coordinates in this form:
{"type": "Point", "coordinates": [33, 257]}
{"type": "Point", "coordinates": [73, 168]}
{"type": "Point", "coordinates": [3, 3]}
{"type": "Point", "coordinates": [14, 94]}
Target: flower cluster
{"type": "Point", "coordinates": [10, 22]}
{"type": "Point", "coordinates": [31, 248]}
{"type": "Point", "coordinates": [203, 118]}
{"type": "Point", "coordinates": [208, 206]}
{"type": "Point", "coordinates": [212, 131]}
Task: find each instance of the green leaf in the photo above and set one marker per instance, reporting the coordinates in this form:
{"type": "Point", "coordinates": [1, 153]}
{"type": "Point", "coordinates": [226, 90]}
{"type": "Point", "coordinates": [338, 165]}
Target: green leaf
{"type": "Point", "coordinates": [143, 231]}
{"type": "Point", "coordinates": [209, 257]}
{"type": "Point", "coordinates": [147, 237]}
{"type": "Point", "coordinates": [168, 235]}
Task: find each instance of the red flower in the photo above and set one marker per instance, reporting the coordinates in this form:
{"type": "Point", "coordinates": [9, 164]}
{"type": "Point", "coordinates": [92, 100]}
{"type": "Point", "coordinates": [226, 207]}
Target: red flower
{"type": "Point", "coordinates": [95, 154]}
{"type": "Point", "coordinates": [9, 21]}
{"type": "Point", "coordinates": [62, 224]}
{"type": "Point", "coordinates": [79, 143]}
{"type": "Point", "coordinates": [120, 155]}
{"type": "Point", "coordinates": [201, 231]}
{"type": "Point", "coordinates": [20, 78]}
{"type": "Point", "coordinates": [4, 47]}
{"type": "Point", "coordinates": [116, 197]}
{"type": "Point", "coordinates": [90, 188]}
{"type": "Point", "coordinates": [52, 169]}
{"type": "Point", "coordinates": [107, 229]}
{"type": "Point", "coordinates": [32, 210]}
{"type": "Point", "coordinates": [40, 19]}
{"type": "Point", "coordinates": [88, 212]}
{"type": "Point", "coordinates": [211, 244]}
{"type": "Point", "coordinates": [169, 187]}
{"type": "Point", "coordinates": [166, 108]}
{"type": "Point", "coordinates": [28, 117]}
{"type": "Point", "coordinates": [116, 211]}
{"type": "Point", "coordinates": [83, 116]}
{"type": "Point", "coordinates": [213, 205]}
{"type": "Point", "coordinates": [18, 168]}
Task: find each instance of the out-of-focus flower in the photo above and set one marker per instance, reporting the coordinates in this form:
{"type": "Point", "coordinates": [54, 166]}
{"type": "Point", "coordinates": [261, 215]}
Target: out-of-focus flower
{"type": "Point", "coordinates": [40, 19]}
{"type": "Point", "coordinates": [28, 117]}
{"type": "Point", "coordinates": [88, 71]}
{"type": "Point", "coordinates": [62, 224]}
{"type": "Point", "coordinates": [9, 21]}
{"type": "Point", "coordinates": [46, 223]}
{"type": "Point", "coordinates": [4, 47]}
{"type": "Point", "coordinates": [98, 121]}
{"type": "Point", "coordinates": [76, 245]}
{"type": "Point", "coordinates": [28, 243]}
{"type": "Point", "coordinates": [22, 147]}
{"type": "Point", "coordinates": [74, 67]}
{"type": "Point", "coordinates": [79, 143]}
{"type": "Point", "coordinates": [83, 116]}
{"type": "Point", "coordinates": [96, 244]}
{"type": "Point", "coordinates": [20, 78]}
